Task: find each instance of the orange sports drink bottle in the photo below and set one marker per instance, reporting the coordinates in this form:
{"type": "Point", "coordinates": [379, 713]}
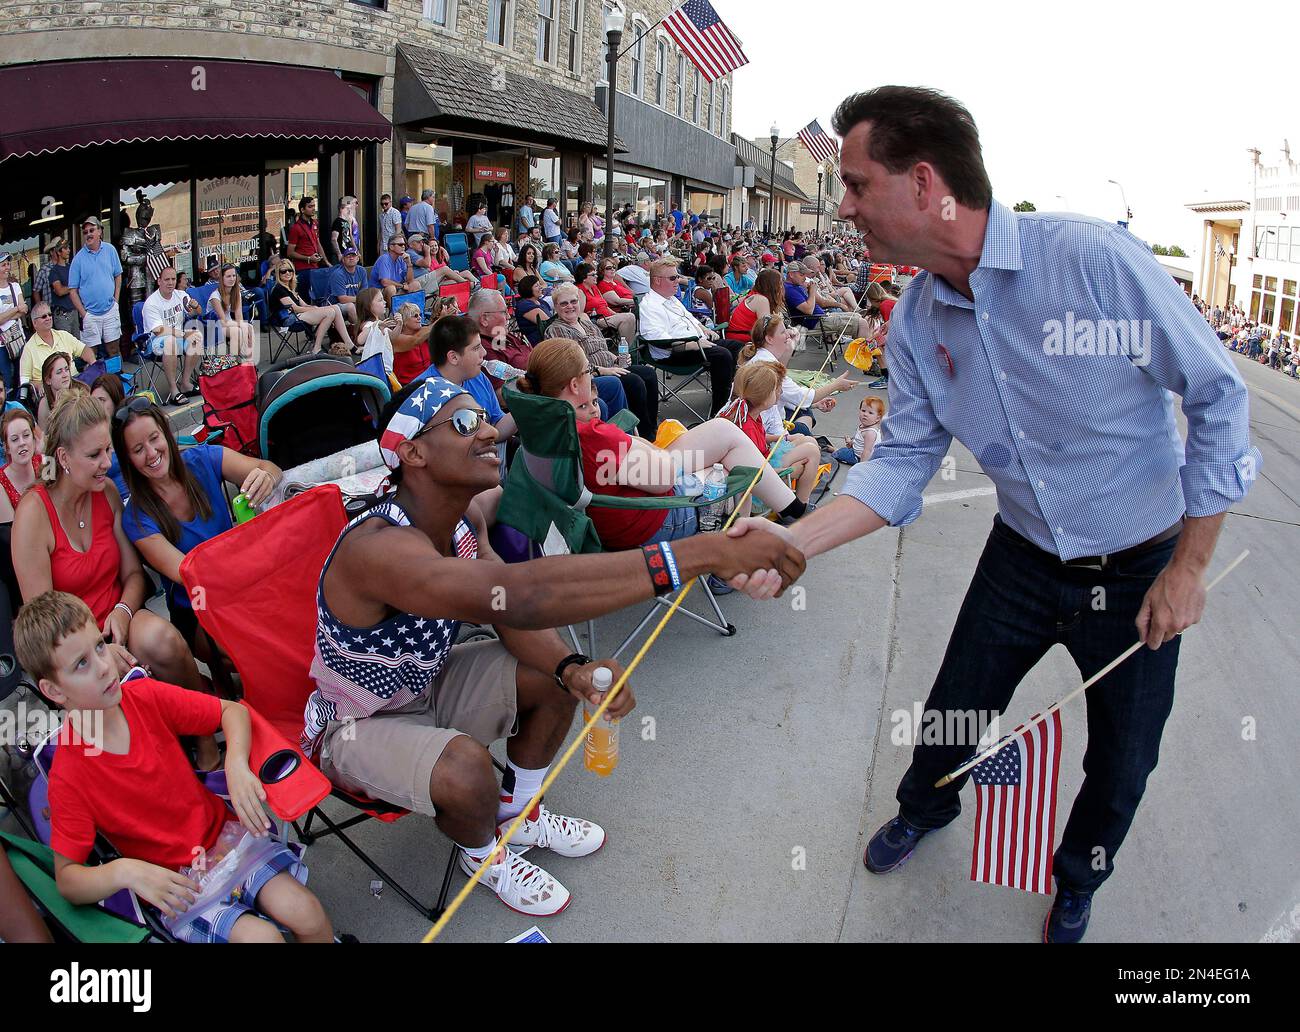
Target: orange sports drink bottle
{"type": "Point", "coordinates": [600, 753]}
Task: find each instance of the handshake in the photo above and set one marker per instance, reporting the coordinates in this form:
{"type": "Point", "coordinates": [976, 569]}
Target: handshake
{"type": "Point", "coordinates": [756, 556]}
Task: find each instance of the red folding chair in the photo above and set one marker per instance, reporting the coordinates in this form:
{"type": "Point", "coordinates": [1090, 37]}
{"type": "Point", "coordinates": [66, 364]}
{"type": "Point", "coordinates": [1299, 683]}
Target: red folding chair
{"type": "Point", "coordinates": [460, 291]}
{"type": "Point", "coordinates": [254, 592]}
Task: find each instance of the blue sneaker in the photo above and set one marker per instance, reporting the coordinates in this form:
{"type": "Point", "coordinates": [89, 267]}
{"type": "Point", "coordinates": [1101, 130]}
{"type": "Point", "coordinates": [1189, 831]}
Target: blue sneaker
{"type": "Point", "coordinates": [891, 846]}
{"type": "Point", "coordinates": [1068, 918]}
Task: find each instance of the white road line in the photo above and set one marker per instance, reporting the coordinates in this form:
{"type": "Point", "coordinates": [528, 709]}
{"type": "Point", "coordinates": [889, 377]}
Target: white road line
{"type": "Point", "coordinates": [953, 496]}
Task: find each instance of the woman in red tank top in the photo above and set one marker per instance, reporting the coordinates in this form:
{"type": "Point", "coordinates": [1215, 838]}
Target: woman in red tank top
{"type": "Point", "coordinates": [68, 536]}
{"type": "Point", "coordinates": [23, 469]}
{"type": "Point", "coordinates": [767, 298]}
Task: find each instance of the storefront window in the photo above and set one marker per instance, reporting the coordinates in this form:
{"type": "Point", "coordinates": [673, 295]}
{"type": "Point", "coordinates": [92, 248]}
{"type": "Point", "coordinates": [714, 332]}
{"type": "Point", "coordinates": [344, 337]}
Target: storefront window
{"type": "Point", "coordinates": [303, 182]}
{"type": "Point", "coordinates": [647, 194]}
{"type": "Point", "coordinates": [544, 176]}
{"type": "Point", "coordinates": [1287, 324]}
{"type": "Point", "coordinates": [429, 167]}
{"type": "Point", "coordinates": [703, 203]}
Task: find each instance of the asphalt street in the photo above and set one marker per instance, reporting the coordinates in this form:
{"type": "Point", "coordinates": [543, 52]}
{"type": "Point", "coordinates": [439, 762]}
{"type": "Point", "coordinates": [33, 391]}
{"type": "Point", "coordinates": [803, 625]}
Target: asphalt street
{"type": "Point", "coordinates": [755, 767]}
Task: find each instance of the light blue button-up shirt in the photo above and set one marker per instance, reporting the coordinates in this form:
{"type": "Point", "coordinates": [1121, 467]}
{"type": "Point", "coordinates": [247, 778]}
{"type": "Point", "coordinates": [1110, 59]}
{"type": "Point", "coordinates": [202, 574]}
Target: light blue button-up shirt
{"type": "Point", "coordinates": [1059, 377]}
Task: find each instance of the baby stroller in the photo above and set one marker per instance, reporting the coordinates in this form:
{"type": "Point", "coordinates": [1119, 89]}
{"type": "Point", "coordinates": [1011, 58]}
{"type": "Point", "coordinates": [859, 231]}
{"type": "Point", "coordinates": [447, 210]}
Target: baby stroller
{"type": "Point", "coordinates": [315, 405]}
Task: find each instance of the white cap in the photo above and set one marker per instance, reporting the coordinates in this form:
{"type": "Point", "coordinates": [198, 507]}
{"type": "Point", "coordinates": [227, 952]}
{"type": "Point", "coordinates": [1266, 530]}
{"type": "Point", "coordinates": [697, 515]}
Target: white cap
{"type": "Point", "coordinates": [601, 678]}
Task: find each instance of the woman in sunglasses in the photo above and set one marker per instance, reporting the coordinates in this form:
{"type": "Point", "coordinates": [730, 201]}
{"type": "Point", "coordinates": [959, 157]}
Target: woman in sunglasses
{"type": "Point", "coordinates": [285, 305]}
{"type": "Point", "coordinates": [177, 500]}
{"type": "Point", "coordinates": [638, 381]}
{"type": "Point", "coordinates": [68, 536]}
{"type": "Point", "coordinates": [617, 294]}
{"type": "Point", "coordinates": [227, 304]}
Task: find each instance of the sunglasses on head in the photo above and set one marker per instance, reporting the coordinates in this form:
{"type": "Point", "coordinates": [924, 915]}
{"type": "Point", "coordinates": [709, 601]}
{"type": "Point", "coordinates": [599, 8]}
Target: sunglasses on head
{"type": "Point", "coordinates": [133, 407]}
{"type": "Point", "coordinates": [465, 422]}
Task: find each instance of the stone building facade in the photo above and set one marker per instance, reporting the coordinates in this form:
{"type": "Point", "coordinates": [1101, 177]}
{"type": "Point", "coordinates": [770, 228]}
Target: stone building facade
{"type": "Point", "coordinates": [537, 118]}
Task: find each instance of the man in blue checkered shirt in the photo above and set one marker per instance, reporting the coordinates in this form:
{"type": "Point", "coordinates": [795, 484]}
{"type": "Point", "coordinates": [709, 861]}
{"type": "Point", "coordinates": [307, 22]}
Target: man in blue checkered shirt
{"type": "Point", "coordinates": [1052, 347]}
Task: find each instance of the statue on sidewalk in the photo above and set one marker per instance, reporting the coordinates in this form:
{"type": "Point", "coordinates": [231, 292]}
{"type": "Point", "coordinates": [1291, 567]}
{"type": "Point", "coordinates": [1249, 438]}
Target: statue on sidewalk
{"type": "Point", "coordinates": [143, 255]}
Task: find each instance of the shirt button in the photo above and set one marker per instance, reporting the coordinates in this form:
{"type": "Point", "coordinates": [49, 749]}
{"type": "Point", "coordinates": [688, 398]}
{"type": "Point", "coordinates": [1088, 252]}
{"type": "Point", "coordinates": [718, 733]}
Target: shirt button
{"type": "Point", "coordinates": [1004, 376]}
{"type": "Point", "coordinates": [1059, 530]}
{"type": "Point", "coordinates": [1041, 484]}
{"type": "Point", "coordinates": [986, 316]}
{"type": "Point", "coordinates": [1021, 435]}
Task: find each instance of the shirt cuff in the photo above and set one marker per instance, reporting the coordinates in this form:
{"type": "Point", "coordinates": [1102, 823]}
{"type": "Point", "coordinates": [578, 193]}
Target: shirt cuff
{"type": "Point", "coordinates": [1211, 487]}
{"type": "Point", "coordinates": [887, 491]}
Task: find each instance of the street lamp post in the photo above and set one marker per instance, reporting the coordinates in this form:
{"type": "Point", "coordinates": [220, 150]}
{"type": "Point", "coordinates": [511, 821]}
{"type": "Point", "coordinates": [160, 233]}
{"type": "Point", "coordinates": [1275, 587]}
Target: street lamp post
{"type": "Point", "coordinates": [821, 171]}
{"type": "Point", "coordinates": [771, 184]}
{"type": "Point", "coordinates": [1127, 213]}
{"type": "Point", "coordinates": [613, 26]}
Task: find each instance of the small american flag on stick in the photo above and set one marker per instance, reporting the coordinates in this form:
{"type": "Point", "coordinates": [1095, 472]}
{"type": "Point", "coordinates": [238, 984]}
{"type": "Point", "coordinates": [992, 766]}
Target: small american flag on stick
{"type": "Point", "coordinates": [705, 39]}
{"type": "Point", "coordinates": [1015, 810]}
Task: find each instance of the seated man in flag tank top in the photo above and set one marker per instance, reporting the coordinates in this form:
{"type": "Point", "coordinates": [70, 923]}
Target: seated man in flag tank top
{"type": "Point", "coordinates": [403, 714]}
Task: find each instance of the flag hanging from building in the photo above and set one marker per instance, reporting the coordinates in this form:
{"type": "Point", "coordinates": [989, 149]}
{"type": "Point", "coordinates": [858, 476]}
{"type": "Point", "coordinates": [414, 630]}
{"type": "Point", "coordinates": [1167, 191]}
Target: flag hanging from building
{"type": "Point", "coordinates": [705, 38]}
{"type": "Point", "coordinates": [822, 147]}
{"type": "Point", "coordinates": [1015, 810]}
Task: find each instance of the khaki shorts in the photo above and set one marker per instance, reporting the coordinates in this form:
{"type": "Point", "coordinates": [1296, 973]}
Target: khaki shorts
{"type": "Point", "coordinates": [391, 755]}
{"type": "Point", "coordinates": [834, 323]}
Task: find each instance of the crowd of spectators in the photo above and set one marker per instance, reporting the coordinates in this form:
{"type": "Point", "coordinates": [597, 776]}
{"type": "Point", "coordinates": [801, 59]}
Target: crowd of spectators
{"type": "Point", "coordinates": [1255, 340]}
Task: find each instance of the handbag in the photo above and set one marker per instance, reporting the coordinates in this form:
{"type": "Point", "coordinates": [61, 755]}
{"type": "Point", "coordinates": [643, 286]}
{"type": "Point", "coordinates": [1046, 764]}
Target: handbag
{"type": "Point", "coordinates": [13, 336]}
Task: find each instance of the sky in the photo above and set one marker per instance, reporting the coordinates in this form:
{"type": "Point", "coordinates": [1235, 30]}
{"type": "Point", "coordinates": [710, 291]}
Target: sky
{"type": "Point", "coordinates": [1165, 100]}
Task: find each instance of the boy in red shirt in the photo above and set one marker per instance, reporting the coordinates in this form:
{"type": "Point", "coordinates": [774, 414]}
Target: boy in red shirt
{"type": "Point", "coordinates": [120, 771]}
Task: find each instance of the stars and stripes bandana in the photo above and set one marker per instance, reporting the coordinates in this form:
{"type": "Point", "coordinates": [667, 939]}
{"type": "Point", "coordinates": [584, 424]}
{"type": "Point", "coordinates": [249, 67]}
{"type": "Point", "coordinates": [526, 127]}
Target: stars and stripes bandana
{"type": "Point", "coordinates": [415, 414]}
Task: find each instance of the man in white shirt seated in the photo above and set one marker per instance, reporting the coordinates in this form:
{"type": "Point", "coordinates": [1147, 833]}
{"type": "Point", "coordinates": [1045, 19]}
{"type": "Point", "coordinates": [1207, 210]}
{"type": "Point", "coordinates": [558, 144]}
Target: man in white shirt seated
{"type": "Point", "coordinates": [664, 318]}
{"type": "Point", "coordinates": [637, 277]}
{"type": "Point", "coordinates": [163, 318]}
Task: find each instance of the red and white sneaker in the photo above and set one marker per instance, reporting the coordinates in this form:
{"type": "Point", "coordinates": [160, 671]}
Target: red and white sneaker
{"type": "Point", "coordinates": [525, 888]}
{"type": "Point", "coordinates": [543, 829]}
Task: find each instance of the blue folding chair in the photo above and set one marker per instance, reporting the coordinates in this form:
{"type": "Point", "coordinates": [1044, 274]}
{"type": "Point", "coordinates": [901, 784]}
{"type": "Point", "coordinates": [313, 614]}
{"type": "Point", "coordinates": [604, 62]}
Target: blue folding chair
{"type": "Point", "coordinates": [148, 365]}
{"type": "Point", "coordinates": [457, 245]}
{"type": "Point", "coordinates": [415, 297]}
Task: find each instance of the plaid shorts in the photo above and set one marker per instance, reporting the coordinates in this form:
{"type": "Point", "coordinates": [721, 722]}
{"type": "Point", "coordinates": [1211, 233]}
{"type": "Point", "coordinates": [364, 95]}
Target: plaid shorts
{"type": "Point", "coordinates": [217, 922]}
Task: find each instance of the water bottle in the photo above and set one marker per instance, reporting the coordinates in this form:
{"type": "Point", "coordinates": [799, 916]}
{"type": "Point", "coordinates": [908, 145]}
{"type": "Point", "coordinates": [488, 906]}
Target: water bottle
{"type": "Point", "coordinates": [600, 753]}
{"type": "Point", "coordinates": [624, 353]}
{"type": "Point", "coordinates": [242, 508]}
{"type": "Point", "coordinates": [501, 370]}
{"type": "Point", "coordinates": [714, 513]}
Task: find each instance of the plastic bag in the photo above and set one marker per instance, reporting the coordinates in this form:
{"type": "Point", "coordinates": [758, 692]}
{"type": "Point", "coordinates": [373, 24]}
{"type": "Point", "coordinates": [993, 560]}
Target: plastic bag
{"type": "Point", "coordinates": [236, 855]}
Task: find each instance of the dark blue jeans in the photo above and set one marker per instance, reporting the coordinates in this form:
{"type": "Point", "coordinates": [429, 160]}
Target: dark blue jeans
{"type": "Point", "coordinates": [1019, 604]}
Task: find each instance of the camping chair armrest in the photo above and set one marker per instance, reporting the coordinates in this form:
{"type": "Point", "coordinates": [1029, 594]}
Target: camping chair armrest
{"type": "Point", "coordinates": [293, 784]}
{"type": "Point", "coordinates": [624, 420]}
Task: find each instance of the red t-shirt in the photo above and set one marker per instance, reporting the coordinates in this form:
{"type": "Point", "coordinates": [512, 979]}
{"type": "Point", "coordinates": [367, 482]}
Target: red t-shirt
{"type": "Point", "coordinates": [753, 427]}
{"type": "Point", "coordinates": [148, 803]}
{"type": "Point", "coordinates": [596, 303]}
{"type": "Point", "coordinates": [407, 365]}
{"type": "Point", "coordinates": [305, 239]}
{"type": "Point", "coordinates": [618, 528]}
{"type": "Point", "coordinates": [617, 286]}
{"type": "Point", "coordinates": [887, 307]}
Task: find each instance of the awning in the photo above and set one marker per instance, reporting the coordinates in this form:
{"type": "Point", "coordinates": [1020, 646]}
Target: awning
{"type": "Point", "coordinates": [439, 91]}
{"type": "Point", "coordinates": [73, 105]}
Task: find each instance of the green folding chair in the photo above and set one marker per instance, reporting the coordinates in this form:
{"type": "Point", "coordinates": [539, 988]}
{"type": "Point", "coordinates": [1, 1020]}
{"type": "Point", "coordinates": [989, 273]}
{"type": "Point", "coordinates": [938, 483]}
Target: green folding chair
{"type": "Point", "coordinates": [33, 862]}
{"type": "Point", "coordinates": [546, 500]}
{"type": "Point", "coordinates": [686, 369]}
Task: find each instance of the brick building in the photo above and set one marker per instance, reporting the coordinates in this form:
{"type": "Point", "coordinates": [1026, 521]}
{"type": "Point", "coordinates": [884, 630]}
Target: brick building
{"type": "Point", "coordinates": [335, 97]}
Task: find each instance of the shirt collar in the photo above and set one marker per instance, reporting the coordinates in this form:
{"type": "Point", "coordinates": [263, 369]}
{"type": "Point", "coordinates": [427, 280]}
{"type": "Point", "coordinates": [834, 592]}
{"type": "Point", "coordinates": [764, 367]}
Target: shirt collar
{"type": "Point", "coordinates": [1001, 250]}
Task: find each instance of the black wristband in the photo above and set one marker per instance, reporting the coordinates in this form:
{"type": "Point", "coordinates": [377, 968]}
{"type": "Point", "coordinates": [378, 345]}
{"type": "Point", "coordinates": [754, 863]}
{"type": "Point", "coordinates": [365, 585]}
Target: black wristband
{"type": "Point", "coordinates": [566, 662]}
{"type": "Point", "coordinates": [655, 563]}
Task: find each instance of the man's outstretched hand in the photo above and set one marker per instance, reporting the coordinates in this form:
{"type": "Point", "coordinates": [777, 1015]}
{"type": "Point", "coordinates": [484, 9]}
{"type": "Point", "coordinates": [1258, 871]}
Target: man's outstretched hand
{"type": "Point", "coordinates": [758, 577]}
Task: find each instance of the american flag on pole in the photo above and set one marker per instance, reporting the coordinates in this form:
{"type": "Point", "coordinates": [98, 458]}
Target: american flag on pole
{"type": "Point", "coordinates": [706, 40]}
{"type": "Point", "coordinates": [1015, 810]}
{"type": "Point", "coordinates": [823, 148]}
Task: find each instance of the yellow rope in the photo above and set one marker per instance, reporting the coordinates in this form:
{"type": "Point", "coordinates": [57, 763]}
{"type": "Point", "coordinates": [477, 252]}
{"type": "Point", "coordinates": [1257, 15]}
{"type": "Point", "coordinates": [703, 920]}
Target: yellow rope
{"type": "Point", "coordinates": [610, 695]}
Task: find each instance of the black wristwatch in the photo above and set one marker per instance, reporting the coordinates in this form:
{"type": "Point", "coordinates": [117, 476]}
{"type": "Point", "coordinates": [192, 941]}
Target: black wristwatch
{"type": "Point", "coordinates": [565, 663]}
